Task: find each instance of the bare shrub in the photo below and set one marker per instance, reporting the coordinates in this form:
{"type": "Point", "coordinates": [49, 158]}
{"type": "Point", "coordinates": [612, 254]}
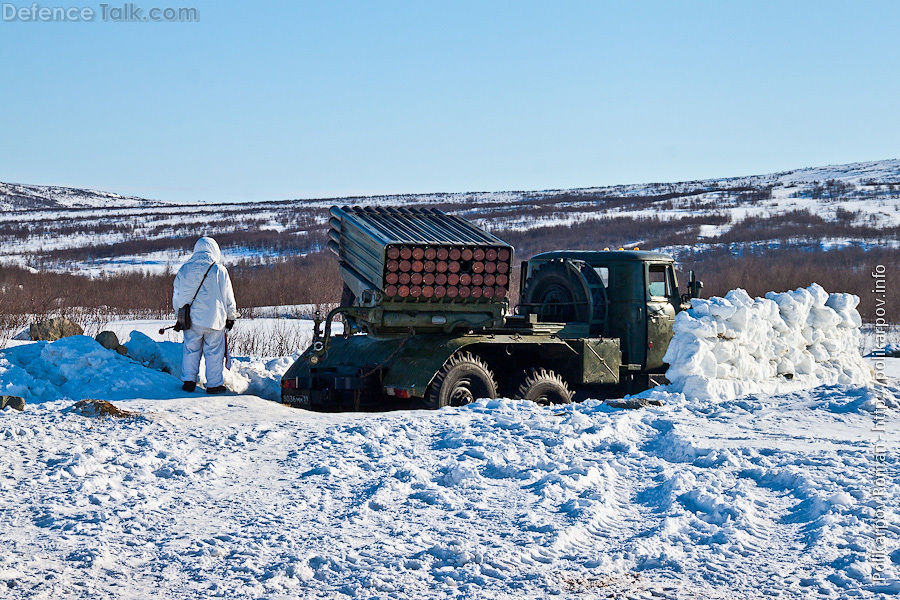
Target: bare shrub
{"type": "Point", "coordinates": [803, 224]}
{"type": "Point", "coordinates": [282, 337]}
{"type": "Point", "coordinates": [847, 270]}
{"type": "Point", "coordinates": [310, 279]}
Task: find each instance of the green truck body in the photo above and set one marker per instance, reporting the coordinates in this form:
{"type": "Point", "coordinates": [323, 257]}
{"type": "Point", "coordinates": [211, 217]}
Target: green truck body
{"type": "Point", "coordinates": [586, 323]}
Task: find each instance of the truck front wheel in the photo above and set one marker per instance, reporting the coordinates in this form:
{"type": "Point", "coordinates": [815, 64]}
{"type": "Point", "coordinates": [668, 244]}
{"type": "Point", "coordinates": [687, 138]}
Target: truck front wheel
{"type": "Point", "coordinates": [544, 387]}
{"type": "Point", "coordinates": [463, 379]}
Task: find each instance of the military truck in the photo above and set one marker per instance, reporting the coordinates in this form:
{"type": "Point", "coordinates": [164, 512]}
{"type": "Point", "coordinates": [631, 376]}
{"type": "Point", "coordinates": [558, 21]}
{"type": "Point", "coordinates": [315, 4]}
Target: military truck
{"type": "Point", "coordinates": [425, 318]}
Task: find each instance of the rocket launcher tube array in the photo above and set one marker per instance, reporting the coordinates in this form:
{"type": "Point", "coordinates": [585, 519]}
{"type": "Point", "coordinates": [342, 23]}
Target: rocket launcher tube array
{"type": "Point", "coordinates": [463, 278]}
{"type": "Point", "coordinates": [421, 254]}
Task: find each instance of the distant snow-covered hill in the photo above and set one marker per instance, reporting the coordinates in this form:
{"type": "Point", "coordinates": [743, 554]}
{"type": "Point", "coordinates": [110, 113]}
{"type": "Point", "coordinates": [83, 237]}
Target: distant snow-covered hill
{"type": "Point", "coordinates": [67, 229]}
{"type": "Point", "coordinates": [863, 173]}
{"type": "Point", "coordinates": [17, 197]}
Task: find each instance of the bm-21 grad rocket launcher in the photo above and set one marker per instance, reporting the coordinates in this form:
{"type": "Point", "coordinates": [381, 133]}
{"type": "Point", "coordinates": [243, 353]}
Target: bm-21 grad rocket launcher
{"type": "Point", "coordinates": [425, 318]}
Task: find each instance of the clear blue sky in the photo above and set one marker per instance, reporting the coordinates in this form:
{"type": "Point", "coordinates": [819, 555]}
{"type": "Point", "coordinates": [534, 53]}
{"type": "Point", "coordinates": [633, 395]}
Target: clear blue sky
{"type": "Point", "coordinates": [317, 98]}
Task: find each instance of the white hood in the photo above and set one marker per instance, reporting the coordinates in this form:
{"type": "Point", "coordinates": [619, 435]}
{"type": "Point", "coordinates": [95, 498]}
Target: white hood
{"type": "Point", "coordinates": [207, 245]}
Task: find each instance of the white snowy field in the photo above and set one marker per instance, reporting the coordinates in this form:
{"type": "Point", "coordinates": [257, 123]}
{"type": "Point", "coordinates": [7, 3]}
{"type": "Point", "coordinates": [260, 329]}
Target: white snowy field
{"type": "Point", "coordinates": [239, 497]}
{"type": "Point", "coordinates": [790, 491]}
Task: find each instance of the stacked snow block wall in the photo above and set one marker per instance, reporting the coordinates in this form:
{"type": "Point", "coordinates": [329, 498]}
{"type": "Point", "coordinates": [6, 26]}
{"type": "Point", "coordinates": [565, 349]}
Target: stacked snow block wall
{"type": "Point", "coordinates": [737, 345]}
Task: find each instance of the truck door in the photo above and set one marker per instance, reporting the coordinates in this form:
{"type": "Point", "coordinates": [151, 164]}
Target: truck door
{"type": "Point", "coordinates": [661, 290]}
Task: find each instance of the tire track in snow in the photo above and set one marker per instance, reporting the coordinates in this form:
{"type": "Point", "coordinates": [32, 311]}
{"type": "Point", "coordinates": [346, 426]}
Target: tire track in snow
{"type": "Point", "coordinates": [714, 523]}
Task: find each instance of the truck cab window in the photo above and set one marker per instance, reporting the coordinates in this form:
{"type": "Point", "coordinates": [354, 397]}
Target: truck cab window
{"type": "Point", "coordinates": [603, 272]}
{"type": "Point", "coordinates": [659, 281]}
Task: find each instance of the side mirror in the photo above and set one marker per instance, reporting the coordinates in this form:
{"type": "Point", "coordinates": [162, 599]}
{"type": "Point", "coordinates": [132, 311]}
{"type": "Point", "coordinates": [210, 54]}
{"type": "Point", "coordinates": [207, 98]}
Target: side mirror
{"type": "Point", "coordinates": [694, 286]}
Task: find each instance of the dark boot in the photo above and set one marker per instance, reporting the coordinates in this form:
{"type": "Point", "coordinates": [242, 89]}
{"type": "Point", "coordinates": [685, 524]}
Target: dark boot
{"type": "Point", "coordinates": [189, 386]}
{"type": "Point", "coordinates": [219, 389]}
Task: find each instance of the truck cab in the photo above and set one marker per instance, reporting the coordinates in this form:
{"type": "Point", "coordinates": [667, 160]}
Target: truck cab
{"type": "Point", "coordinates": [630, 295]}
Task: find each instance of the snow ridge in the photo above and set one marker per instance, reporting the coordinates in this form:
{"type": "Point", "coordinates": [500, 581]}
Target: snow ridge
{"type": "Point", "coordinates": [17, 196]}
{"type": "Point", "coordinates": [96, 233]}
{"type": "Point", "coordinates": [728, 347]}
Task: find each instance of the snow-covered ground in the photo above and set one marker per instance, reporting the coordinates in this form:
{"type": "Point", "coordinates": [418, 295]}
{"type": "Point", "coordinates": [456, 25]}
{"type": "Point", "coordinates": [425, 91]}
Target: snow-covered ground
{"type": "Point", "coordinates": [239, 497]}
{"type": "Point", "coordinates": [789, 493]}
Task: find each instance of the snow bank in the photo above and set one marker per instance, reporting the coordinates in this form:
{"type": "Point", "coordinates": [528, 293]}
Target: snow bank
{"type": "Point", "coordinates": [258, 377]}
{"type": "Point", "coordinates": [160, 356]}
{"type": "Point", "coordinates": [78, 367]}
{"type": "Point", "coordinates": [737, 345]}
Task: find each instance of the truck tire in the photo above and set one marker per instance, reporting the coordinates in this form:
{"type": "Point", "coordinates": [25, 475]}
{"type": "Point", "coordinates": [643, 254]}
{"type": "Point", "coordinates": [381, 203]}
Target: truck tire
{"type": "Point", "coordinates": [555, 293]}
{"type": "Point", "coordinates": [463, 379]}
{"type": "Point", "coordinates": [544, 387]}
{"type": "Point", "coordinates": [563, 293]}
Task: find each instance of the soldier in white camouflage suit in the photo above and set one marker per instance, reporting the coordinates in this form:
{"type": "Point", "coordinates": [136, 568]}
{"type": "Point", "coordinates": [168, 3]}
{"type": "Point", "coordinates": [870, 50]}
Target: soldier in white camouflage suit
{"type": "Point", "coordinates": [213, 312]}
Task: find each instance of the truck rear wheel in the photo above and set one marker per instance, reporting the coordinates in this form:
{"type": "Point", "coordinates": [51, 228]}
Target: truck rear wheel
{"type": "Point", "coordinates": [463, 379]}
{"type": "Point", "coordinates": [544, 387]}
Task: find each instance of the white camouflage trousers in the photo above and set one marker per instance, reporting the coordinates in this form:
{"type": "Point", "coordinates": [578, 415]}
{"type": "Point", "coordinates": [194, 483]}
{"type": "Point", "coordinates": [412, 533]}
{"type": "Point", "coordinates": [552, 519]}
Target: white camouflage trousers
{"type": "Point", "coordinates": [210, 344]}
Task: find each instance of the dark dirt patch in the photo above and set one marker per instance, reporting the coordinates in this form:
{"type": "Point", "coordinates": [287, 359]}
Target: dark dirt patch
{"type": "Point", "coordinates": [101, 408]}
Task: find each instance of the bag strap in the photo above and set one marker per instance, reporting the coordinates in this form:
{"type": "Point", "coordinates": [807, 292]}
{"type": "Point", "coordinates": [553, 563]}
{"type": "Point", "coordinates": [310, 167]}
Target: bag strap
{"type": "Point", "coordinates": [201, 283]}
